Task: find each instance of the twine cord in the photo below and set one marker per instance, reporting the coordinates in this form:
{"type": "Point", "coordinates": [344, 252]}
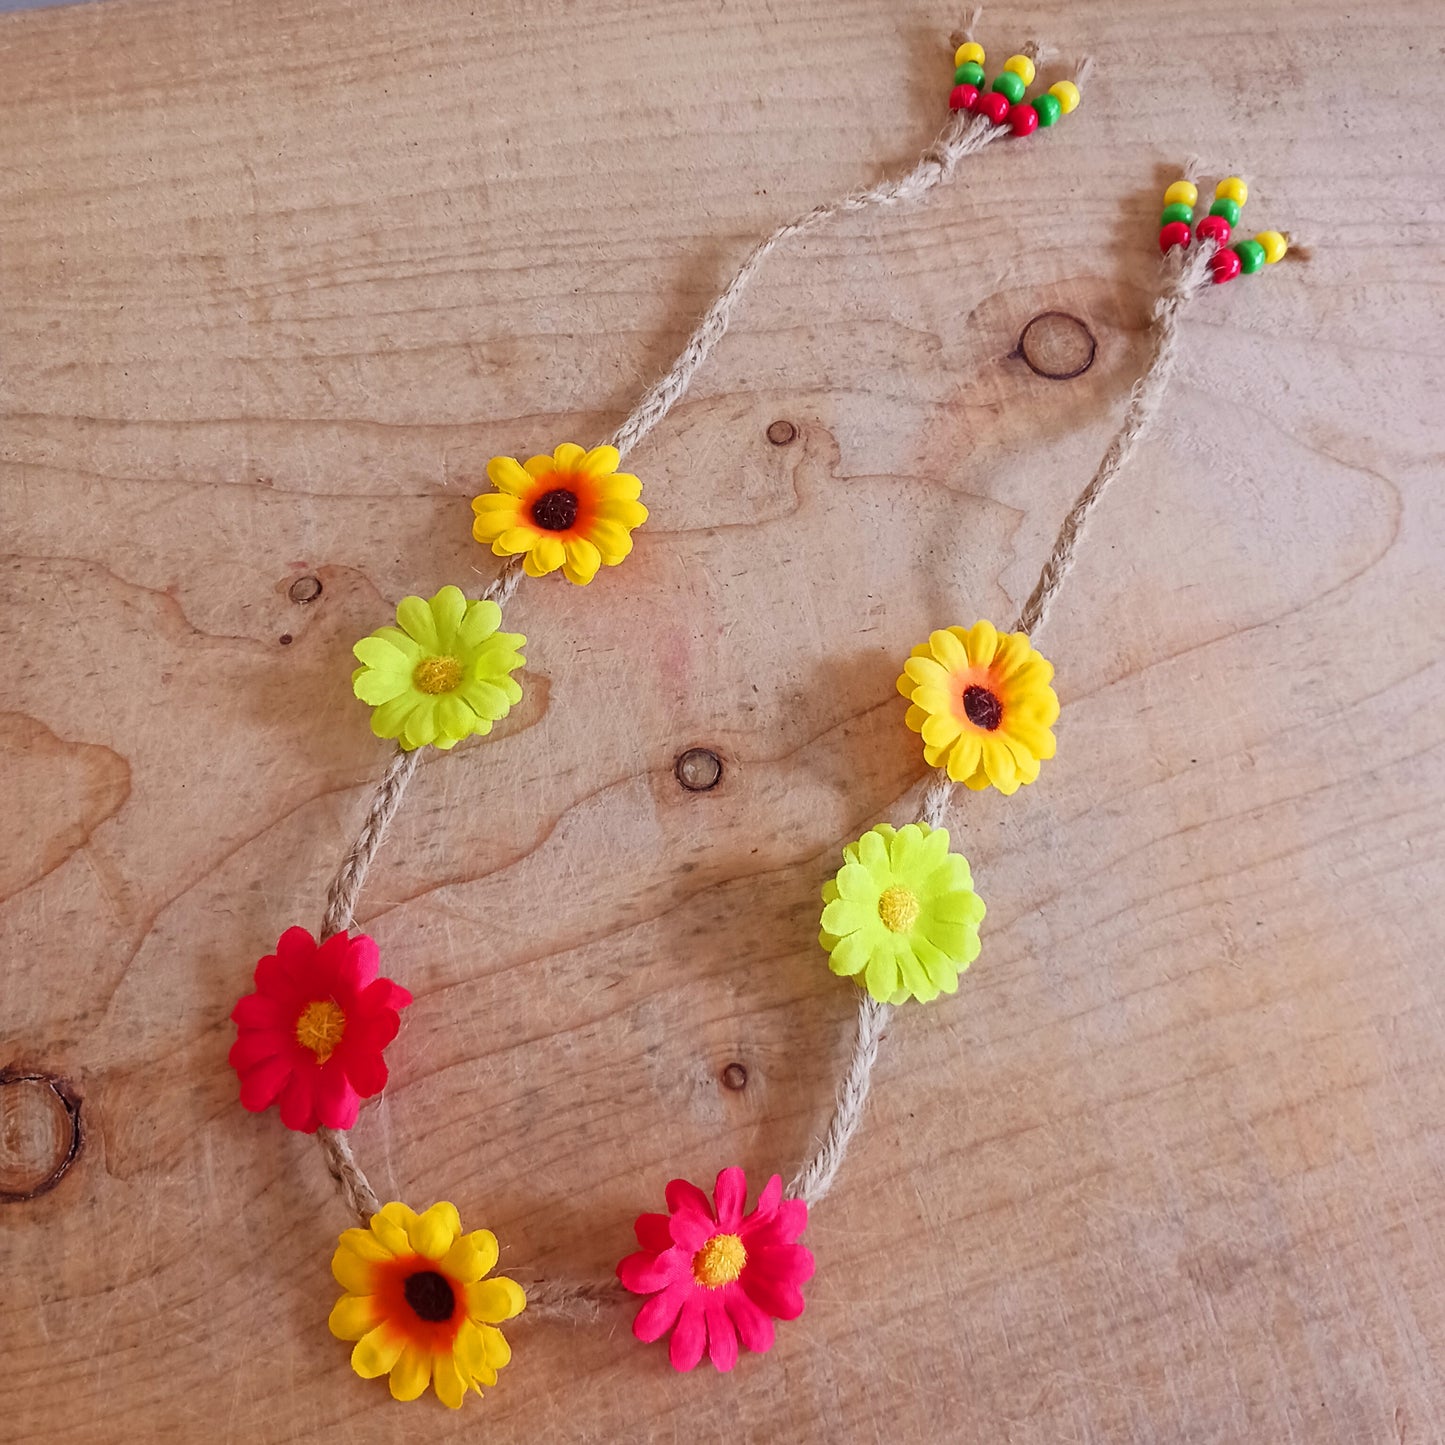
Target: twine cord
{"type": "Point", "coordinates": [1186, 275]}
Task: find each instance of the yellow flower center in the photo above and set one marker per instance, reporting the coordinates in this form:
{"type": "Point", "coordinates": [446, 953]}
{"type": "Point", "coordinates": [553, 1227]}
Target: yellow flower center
{"type": "Point", "coordinates": [437, 674]}
{"type": "Point", "coordinates": [720, 1261]}
{"type": "Point", "coordinates": [898, 908]}
{"type": "Point", "coordinates": [320, 1028]}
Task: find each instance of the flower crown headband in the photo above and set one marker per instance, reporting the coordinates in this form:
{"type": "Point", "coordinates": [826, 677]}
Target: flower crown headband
{"type": "Point", "coordinates": [420, 1302]}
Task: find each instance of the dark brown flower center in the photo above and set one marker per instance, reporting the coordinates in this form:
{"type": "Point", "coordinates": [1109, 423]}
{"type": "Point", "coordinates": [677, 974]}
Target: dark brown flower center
{"type": "Point", "coordinates": [431, 1295]}
{"type": "Point", "coordinates": [981, 707]}
{"type": "Point", "coordinates": [555, 510]}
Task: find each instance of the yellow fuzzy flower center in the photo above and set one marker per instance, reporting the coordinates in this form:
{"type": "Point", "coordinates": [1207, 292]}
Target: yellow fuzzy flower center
{"type": "Point", "coordinates": [720, 1261]}
{"type": "Point", "coordinates": [320, 1028]}
{"type": "Point", "coordinates": [898, 908]}
{"type": "Point", "coordinates": [437, 674]}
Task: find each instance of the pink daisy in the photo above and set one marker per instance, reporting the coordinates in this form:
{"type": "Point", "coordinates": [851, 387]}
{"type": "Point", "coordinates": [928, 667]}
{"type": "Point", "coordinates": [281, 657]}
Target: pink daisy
{"type": "Point", "coordinates": [715, 1274]}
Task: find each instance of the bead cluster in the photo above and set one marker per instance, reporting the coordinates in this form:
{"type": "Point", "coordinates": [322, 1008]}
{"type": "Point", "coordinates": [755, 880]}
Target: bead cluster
{"type": "Point", "coordinates": [1229, 198]}
{"type": "Point", "coordinates": [1003, 103]}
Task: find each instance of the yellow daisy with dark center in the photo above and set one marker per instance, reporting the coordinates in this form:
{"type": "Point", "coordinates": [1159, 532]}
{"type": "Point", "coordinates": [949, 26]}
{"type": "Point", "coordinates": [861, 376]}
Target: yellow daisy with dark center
{"type": "Point", "coordinates": [573, 510]}
{"type": "Point", "coordinates": [418, 1303]}
{"type": "Point", "coordinates": [981, 700]}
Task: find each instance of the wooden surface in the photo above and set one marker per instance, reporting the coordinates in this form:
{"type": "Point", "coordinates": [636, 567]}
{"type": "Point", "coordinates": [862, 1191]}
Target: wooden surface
{"type": "Point", "coordinates": [277, 278]}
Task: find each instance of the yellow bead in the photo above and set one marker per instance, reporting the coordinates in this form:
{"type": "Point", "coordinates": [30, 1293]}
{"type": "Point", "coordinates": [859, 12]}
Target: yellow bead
{"type": "Point", "coordinates": [1022, 67]}
{"type": "Point", "coordinates": [1067, 95]}
{"type": "Point", "coordinates": [1231, 188]}
{"type": "Point", "coordinates": [1181, 193]}
{"type": "Point", "coordinates": [969, 50]}
{"type": "Point", "coordinates": [1274, 245]}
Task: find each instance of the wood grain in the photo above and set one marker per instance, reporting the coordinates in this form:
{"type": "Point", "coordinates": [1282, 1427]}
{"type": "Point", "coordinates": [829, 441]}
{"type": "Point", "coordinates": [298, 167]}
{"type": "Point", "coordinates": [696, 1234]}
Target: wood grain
{"type": "Point", "coordinates": [278, 278]}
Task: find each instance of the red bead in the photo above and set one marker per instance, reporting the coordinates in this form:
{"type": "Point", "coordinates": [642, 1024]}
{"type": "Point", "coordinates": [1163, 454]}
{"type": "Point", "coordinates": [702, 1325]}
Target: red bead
{"type": "Point", "coordinates": [1225, 265]}
{"type": "Point", "coordinates": [1213, 228]}
{"type": "Point", "coordinates": [1024, 119]}
{"type": "Point", "coordinates": [964, 97]}
{"type": "Point", "coordinates": [995, 106]}
{"type": "Point", "coordinates": [1176, 233]}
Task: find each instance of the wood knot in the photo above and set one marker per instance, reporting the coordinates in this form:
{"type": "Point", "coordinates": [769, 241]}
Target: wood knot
{"type": "Point", "coordinates": [735, 1077]}
{"type": "Point", "coordinates": [780, 433]}
{"type": "Point", "coordinates": [698, 770]}
{"type": "Point", "coordinates": [304, 589]}
{"type": "Point", "coordinates": [39, 1134]}
{"type": "Point", "coordinates": [1057, 345]}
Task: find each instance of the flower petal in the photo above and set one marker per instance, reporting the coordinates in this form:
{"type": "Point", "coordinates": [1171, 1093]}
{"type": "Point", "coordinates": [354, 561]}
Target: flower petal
{"type": "Point", "coordinates": [490, 1301]}
{"type": "Point", "coordinates": [754, 1326]}
{"type": "Point", "coordinates": [730, 1195]}
{"type": "Point", "coordinates": [646, 1273]}
{"type": "Point", "coordinates": [722, 1334]}
{"type": "Point", "coordinates": [448, 1383]}
{"type": "Point", "coordinates": [689, 1334]}
{"type": "Point", "coordinates": [583, 560]}
{"type": "Point", "coordinates": [414, 617]}
{"type": "Point", "coordinates": [433, 1232]}
{"type": "Point", "coordinates": [354, 1315]}
{"type": "Point", "coordinates": [507, 475]}
{"type": "Point", "coordinates": [377, 1352]}
{"type": "Point", "coordinates": [660, 1313]}
{"type": "Point", "coordinates": [411, 1373]}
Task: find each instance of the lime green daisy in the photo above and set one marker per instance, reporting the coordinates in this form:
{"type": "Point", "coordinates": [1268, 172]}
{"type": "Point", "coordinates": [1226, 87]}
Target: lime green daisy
{"type": "Point", "coordinates": [442, 674]}
{"type": "Point", "coordinates": [901, 915]}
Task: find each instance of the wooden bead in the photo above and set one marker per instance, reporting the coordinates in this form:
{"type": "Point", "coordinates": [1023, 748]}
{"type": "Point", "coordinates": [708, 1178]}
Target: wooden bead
{"type": "Point", "coordinates": [969, 73]}
{"type": "Point", "coordinates": [1022, 67]}
{"type": "Point", "coordinates": [1007, 83]}
{"type": "Point", "coordinates": [1182, 193]}
{"type": "Point", "coordinates": [1048, 108]}
{"type": "Point", "coordinates": [1024, 119]}
{"type": "Point", "coordinates": [970, 52]}
{"type": "Point", "coordinates": [1067, 95]}
{"type": "Point", "coordinates": [1178, 211]}
{"type": "Point", "coordinates": [1176, 233]}
{"type": "Point", "coordinates": [1225, 265]}
{"type": "Point", "coordinates": [1231, 188]}
{"type": "Point", "coordinates": [1213, 228]}
{"type": "Point", "coordinates": [1227, 207]}
{"type": "Point", "coordinates": [1251, 256]}
{"type": "Point", "coordinates": [1274, 245]}
{"type": "Point", "coordinates": [963, 97]}
{"type": "Point", "coordinates": [994, 106]}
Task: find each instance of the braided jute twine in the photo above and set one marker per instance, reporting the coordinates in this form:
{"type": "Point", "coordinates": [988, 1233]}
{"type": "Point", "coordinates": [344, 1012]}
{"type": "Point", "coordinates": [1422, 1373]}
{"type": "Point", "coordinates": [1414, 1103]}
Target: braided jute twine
{"type": "Point", "coordinates": [1185, 275]}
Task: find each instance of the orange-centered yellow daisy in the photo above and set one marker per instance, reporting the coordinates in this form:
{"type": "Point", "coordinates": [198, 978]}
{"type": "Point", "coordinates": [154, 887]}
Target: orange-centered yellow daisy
{"type": "Point", "coordinates": [572, 510]}
{"type": "Point", "coordinates": [982, 701]}
{"type": "Point", "coordinates": [418, 1305]}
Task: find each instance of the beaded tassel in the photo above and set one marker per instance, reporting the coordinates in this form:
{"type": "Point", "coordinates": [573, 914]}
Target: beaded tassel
{"type": "Point", "coordinates": [1003, 103]}
{"type": "Point", "coordinates": [1228, 260]}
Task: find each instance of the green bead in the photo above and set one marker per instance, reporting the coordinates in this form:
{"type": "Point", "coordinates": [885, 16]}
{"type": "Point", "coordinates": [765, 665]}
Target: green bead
{"type": "Point", "coordinates": [1226, 208]}
{"type": "Point", "coordinates": [1176, 212]}
{"type": "Point", "coordinates": [1251, 256]}
{"type": "Point", "coordinates": [1010, 85]}
{"type": "Point", "coordinates": [1048, 108]}
{"type": "Point", "coordinates": [969, 73]}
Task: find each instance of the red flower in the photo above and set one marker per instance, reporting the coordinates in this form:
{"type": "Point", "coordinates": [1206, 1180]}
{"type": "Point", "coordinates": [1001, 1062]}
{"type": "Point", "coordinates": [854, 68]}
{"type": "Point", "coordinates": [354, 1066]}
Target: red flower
{"type": "Point", "coordinates": [715, 1274]}
{"type": "Point", "coordinates": [312, 1034]}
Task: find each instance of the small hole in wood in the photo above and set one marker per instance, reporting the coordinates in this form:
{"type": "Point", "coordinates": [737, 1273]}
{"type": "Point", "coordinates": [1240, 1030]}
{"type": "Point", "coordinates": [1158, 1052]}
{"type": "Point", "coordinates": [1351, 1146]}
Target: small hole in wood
{"type": "Point", "coordinates": [39, 1134]}
{"type": "Point", "coordinates": [698, 770]}
{"type": "Point", "coordinates": [1057, 346]}
{"type": "Point", "coordinates": [780, 433]}
{"type": "Point", "coordinates": [286, 639]}
{"type": "Point", "coordinates": [735, 1077]}
{"type": "Point", "coordinates": [305, 589]}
